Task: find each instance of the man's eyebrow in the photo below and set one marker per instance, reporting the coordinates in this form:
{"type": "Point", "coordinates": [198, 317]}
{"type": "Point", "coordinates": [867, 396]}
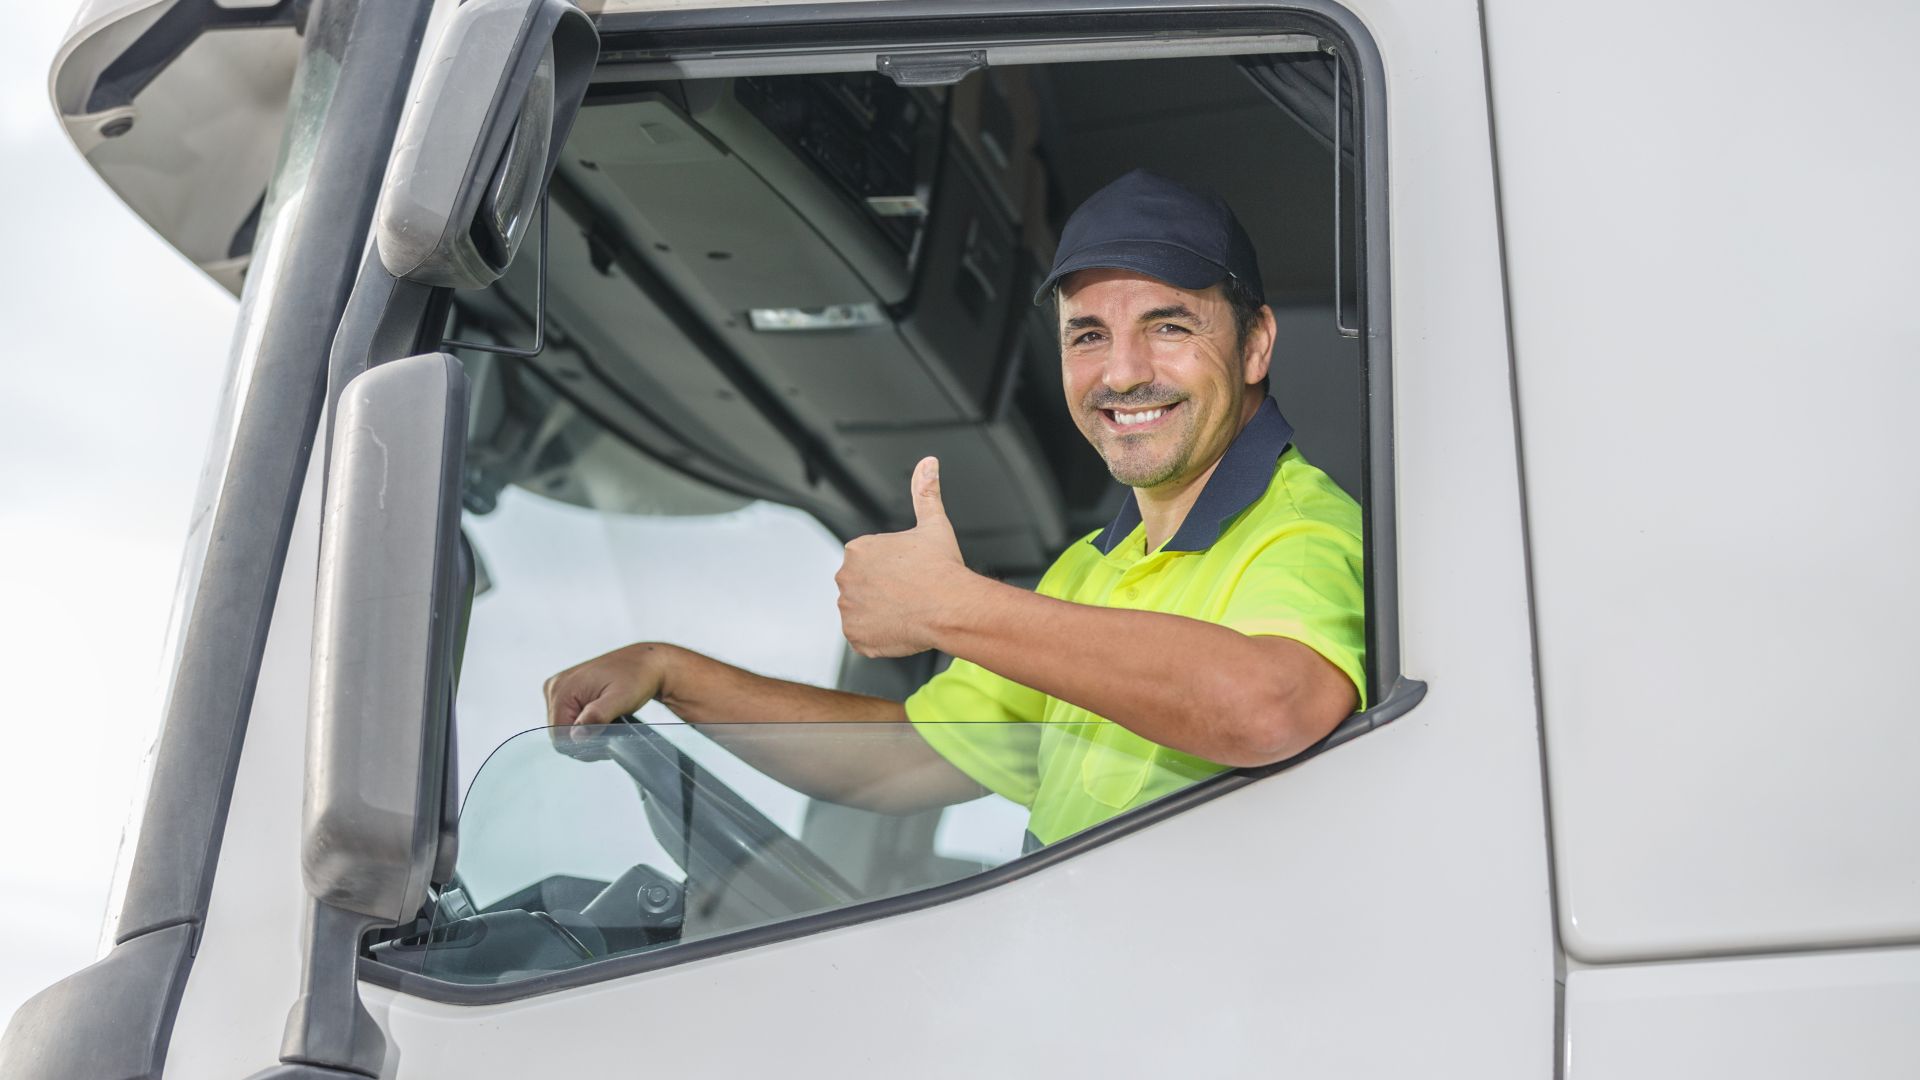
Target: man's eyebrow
{"type": "Point", "coordinates": [1170, 311]}
{"type": "Point", "coordinates": [1081, 322]}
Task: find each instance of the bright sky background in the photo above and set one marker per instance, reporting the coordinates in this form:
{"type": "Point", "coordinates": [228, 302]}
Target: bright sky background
{"type": "Point", "coordinates": [114, 348]}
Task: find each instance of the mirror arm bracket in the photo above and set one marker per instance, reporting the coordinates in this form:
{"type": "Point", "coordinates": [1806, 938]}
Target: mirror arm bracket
{"type": "Point", "coordinates": [539, 305]}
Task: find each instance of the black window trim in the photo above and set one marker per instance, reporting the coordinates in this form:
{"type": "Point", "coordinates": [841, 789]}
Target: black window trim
{"type": "Point", "coordinates": [841, 27]}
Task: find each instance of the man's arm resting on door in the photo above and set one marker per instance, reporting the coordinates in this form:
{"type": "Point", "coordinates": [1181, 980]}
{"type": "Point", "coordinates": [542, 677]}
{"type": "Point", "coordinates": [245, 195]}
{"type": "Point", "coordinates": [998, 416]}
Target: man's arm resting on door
{"type": "Point", "coordinates": [1195, 686]}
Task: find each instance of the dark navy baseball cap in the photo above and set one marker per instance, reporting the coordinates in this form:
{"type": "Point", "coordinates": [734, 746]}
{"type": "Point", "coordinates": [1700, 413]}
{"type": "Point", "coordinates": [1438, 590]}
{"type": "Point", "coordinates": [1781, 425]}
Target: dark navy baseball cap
{"type": "Point", "coordinates": [1149, 224]}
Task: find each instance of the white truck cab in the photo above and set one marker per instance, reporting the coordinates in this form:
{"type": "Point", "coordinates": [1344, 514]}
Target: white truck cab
{"type": "Point", "coordinates": [566, 327]}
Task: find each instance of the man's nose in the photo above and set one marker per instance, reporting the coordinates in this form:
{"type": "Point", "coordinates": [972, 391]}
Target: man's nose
{"type": "Point", "coordinates": [1128, 366]}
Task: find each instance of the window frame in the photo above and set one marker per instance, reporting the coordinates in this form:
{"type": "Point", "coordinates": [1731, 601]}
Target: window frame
{"type": "Point", "coordinates": [795, 33]}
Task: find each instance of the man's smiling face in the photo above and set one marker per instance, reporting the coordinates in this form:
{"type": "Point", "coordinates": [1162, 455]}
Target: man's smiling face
{"type": "Point", "coordinates": [1155, 374]}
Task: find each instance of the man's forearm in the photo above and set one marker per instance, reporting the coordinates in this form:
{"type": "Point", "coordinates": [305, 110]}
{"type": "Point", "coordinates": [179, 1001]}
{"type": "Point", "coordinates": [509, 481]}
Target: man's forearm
{"type": "Point", "coordinates": [702, 690]}
{"type": "Point", "coordinates": [1195, 686]}
{"type": "Point", "coordinates": [868, 757]}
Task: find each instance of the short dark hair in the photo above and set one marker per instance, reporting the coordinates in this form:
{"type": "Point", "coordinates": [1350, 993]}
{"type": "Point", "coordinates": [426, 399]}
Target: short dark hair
{"type": "Point", "coordinates": [1245, 305]}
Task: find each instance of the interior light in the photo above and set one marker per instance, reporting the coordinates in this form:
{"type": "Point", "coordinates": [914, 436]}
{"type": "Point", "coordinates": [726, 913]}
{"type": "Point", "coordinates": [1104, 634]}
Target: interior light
{"type": "Point", "coordinates": [906, 206]}
{"type": "Point", "coordinates": [831, 317]}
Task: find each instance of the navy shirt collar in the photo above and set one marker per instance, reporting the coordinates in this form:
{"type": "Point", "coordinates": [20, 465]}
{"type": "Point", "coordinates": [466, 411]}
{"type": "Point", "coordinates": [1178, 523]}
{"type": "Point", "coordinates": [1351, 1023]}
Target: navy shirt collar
{"type": "Point", "coordinates": [1244, 473]}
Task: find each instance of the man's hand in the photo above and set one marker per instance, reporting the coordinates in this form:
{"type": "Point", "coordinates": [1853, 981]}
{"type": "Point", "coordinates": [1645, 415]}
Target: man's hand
{"type": "Point", "coordinates": [604, 688]}
{"type": "Point", "coordinates": [895, 586]}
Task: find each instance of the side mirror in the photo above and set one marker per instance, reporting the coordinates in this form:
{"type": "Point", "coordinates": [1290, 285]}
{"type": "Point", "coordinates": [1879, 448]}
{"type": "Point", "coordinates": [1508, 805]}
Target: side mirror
{"type": "Point", "coordinates": [478, 142]}
{"type": "Point", "coordinates": [383, 641]}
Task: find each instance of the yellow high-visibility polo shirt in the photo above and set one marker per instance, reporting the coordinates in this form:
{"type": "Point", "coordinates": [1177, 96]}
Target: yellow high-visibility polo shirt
{"type": "Point", "coordinates": [1272, 546]}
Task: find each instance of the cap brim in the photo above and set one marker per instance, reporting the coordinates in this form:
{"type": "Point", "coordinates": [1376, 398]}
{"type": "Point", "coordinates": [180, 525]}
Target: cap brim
{"type": "Point", "coordinates": [1163, 262]}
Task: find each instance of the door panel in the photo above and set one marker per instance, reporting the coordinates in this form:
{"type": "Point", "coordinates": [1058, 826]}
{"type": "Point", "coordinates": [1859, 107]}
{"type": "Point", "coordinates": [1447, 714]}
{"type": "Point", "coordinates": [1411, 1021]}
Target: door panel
{"type": "Point", "coordinates": [1714, 343]}
{"type": "Point", "coordinates": [1309, 924]}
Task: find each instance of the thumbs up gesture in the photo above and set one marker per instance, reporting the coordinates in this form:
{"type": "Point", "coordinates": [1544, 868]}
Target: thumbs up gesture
{"type": "Point", "coordinates": [895, 586]}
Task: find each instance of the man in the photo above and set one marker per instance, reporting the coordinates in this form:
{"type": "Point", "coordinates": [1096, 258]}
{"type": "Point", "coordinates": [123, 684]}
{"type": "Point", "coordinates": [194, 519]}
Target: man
{"type": "Point", "coordinates": [1217, 621]}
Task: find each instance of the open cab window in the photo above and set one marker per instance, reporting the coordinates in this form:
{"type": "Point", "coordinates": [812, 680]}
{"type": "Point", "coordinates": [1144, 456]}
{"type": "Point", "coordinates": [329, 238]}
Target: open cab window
{"type": "Point", "coordinates": [768, 296]}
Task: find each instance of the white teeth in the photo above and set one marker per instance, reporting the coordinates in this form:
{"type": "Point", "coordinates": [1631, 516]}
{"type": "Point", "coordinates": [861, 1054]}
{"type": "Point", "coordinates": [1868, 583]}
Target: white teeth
{"type": "Point", "coordinates": [1139, 417]}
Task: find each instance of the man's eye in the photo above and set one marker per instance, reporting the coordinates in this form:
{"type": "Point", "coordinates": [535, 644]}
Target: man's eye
{"type": "Point", "coordinates": [1087, 338]}
{"type": "Point", "coordinates": [1171, 329]}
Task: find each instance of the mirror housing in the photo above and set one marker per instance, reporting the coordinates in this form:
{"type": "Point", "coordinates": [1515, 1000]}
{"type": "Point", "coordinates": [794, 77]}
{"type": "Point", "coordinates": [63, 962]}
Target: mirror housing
{"type": "Point", "coordinates": [480, 138]}
{"type": "Point", "coordinates": [384, 640]}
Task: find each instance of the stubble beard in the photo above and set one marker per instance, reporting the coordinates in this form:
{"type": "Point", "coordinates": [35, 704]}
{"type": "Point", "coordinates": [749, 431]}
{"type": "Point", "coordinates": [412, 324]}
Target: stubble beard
{"type": "Point", "coordinates": [1123, 467]}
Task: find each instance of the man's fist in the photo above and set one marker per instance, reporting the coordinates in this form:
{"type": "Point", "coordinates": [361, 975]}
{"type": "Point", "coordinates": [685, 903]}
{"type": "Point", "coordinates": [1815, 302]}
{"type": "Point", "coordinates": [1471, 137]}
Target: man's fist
{"type": "Point", "coordinates": [895, 586]}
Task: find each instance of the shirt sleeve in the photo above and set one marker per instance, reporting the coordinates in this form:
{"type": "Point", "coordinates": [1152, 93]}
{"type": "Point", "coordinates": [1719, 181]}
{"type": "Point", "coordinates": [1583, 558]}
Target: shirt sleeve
{"type": "Point", "coordinates": [987, 726]}
{"type": "Point", "coordinates": [1305, 583]}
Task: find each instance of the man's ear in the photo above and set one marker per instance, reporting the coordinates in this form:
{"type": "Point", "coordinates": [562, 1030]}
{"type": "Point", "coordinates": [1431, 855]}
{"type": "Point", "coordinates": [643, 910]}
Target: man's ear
{"type": "Point", "coordinates": [1259, 354]}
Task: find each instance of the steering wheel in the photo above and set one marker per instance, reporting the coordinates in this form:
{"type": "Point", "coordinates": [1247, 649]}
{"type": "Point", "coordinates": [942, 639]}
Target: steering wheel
{"type": "Point", "coordinates": [721, 839]}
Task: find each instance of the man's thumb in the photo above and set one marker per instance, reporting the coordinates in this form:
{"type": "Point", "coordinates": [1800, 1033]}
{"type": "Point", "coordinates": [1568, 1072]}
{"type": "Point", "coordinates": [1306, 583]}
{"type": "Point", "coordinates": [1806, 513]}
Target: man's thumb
{"type": "Point", "coordinates": [926, 492]}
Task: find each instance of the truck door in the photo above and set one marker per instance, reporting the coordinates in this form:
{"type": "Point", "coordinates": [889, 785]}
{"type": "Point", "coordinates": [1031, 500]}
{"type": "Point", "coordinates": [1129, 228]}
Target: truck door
{"type": "Point", "coordinates": [780, 256]}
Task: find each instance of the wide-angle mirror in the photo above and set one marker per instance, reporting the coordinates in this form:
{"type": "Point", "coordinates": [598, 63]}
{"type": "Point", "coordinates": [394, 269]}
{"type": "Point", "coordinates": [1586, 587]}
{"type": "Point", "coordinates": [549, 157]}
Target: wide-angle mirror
{"type": "Point", "coordinates": [480, 138]}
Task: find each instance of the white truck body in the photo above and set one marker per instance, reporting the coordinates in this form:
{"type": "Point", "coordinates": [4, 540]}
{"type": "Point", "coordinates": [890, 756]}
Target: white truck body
{"type": "Point", "coordinates": [1652, 347]}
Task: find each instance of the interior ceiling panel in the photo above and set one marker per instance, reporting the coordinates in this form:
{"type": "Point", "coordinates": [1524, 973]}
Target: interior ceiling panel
{"type": "Point", "coordinates": [729, 243]}
{"type": "Point", "coordinates": [736, 237]}
{"type": "Point", "coordinates": [1204, 113]}
{"type": "Point", "coordinates": [639, 351]}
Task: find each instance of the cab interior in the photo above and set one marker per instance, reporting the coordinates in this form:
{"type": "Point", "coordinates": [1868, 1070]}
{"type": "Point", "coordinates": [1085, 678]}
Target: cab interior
{"type": "Point", "coordinates": [794, 287]}
{"type": "Point", "coordinates": [791, 288]}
